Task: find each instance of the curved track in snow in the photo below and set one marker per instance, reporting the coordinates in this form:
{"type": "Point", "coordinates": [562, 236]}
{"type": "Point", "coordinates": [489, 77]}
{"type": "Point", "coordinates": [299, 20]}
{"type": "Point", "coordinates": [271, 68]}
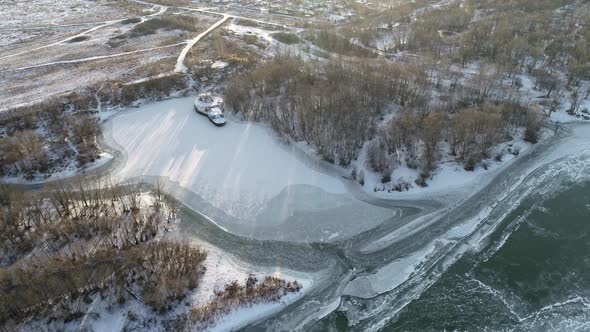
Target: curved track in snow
{"type": "Point", "coordinates": [65, 40]}
{"type": "Point", "coordinates": [180, 67]}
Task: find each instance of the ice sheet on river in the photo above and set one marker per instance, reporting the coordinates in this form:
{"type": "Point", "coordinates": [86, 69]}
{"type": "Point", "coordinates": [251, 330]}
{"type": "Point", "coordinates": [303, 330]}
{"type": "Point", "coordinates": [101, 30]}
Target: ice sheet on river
{"type": "Point", "coordinates": [241, 175]}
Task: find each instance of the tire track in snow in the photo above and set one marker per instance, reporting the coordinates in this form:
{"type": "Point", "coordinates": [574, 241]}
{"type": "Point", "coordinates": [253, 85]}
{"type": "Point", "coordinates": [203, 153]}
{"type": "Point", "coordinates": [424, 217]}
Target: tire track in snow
{"type": "Point", "coordinates": [211, 12]}
{"type": "Point", "coordinates": [105, 24]}
{"type": "Point", "coordinates": [180, 67]}
{"type": "Point", "coordinates": [100, 57]}
{"type": "Point", "coordinates": [54, 26]}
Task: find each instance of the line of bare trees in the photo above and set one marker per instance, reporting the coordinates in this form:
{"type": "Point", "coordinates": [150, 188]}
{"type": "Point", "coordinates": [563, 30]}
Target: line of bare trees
{"type": "Point", "coordinates": [333, 105]}
{"type": "Point", "coordinates": [415, 140]}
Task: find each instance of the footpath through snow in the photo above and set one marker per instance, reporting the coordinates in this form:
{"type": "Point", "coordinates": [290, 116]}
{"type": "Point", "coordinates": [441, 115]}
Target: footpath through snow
{"type": "Point", "coordinates": [180, 67]}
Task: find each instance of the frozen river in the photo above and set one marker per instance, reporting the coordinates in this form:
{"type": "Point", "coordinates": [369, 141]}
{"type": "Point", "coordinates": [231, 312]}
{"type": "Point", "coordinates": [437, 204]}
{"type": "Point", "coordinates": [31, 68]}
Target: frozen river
{"type": "Point", "coordinates": [270, 205]}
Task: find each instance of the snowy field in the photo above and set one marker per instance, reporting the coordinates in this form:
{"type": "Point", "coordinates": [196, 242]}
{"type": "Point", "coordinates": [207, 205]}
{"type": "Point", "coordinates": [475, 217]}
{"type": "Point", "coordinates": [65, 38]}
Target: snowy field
{"type": "Point", "coordinates": [58, 48]}
{"type": "Point", "coordinates": [23, 14]}
{"type": "Point", "coordinates": [257, 185]}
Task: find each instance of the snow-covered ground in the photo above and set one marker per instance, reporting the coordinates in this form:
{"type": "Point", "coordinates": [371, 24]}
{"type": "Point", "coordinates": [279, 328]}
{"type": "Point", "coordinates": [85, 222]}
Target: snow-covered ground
{"type": "Point", "coordinates": [219, 64]}
{"type": "Point", "coordinates": [180, 67]}
{"type": "Point", "coordinates": [257, 186]}
{"type": "Point", "coordinates": [70, 171]}
{"type": "Point", "coordinates": [225, 270]}
{"type": "Point", "coordinates": [560, 115]}
{"type": "Point", "coordinates": [248, 30]}
{"type": "Point", "coordinates": [449, 176]}
{"type": "Point", "coordinates": [21, 14]}
{"type": "Point", "coordinates": [221, 269]}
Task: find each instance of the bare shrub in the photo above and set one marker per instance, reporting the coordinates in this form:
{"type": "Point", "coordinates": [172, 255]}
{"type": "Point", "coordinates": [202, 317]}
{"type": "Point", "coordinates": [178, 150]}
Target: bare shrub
{"type": "Point", "coordinates": [69, 242]}
{"type": "Point", "coordinates": [533, 124]}
{"type": "Point", "coordinates": [270, 289]}
{"type": "Point", "coordinates": [25, 150]}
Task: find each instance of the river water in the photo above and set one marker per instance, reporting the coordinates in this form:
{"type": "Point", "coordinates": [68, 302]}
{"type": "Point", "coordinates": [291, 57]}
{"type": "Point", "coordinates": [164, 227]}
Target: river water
{"type": "Point", "coordinates": [514, 256]}
{"type": "Point", "coordinates": [533, 275]}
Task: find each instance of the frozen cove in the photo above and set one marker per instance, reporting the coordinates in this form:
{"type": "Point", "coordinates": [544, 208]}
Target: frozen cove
{"type": "Point", "coordinates": [240, 176]}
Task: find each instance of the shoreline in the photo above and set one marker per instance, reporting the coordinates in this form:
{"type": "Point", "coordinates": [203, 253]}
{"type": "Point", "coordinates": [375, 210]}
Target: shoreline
{"type": "Point", "coordinates": [117, 157]}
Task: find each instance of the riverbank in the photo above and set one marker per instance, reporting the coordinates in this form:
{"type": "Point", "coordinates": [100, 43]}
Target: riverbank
{"type": "Point", "coordinates": [466, 229]}
{"type": "Point", "coordinates": [221, 270]}
{"type": "Point", "coordinates": [528, 276]}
